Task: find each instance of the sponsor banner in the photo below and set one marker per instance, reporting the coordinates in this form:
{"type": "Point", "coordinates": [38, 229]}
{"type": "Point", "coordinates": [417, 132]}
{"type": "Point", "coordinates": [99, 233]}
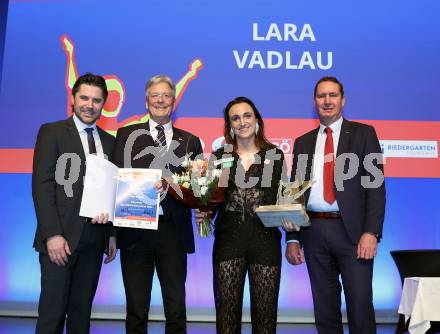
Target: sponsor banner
{"type": "Point", "coordinates": [410, 148]}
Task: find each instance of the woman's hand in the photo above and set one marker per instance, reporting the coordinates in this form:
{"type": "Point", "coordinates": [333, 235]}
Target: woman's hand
{"type": "Point", "coordinates": [200, 215]}
{"type": "Point", "coordinates": [290, 226]}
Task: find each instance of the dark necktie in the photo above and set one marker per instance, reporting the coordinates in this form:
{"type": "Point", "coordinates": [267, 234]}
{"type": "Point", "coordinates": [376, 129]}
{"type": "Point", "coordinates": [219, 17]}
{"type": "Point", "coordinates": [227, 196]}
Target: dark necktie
{"type": "Point", "coordinates": [329, 168]}
{"type": "Point", "coordinates": [161, 142]}
{"type": "Point", "coordinates": [91, 140]}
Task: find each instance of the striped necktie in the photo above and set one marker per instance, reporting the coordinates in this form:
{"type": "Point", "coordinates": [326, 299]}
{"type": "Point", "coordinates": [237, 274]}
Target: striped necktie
{"type": "Point", "coordinates": [161, 142]}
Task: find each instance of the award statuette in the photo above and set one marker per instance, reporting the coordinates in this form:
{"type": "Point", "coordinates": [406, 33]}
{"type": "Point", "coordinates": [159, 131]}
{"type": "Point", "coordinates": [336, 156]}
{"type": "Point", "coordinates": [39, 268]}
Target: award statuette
{"type": "Point", "coordinates": [290, 206]}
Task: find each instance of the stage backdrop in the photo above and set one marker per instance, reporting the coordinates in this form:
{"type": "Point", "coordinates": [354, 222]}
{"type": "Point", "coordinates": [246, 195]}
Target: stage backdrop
{"type": "Point", "coordinates": [385, 52]}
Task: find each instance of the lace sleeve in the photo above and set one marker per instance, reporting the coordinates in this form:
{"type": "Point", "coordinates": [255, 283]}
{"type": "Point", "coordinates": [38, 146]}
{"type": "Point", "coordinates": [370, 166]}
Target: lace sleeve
{"type": "Point", "coordinates": [278, 173]}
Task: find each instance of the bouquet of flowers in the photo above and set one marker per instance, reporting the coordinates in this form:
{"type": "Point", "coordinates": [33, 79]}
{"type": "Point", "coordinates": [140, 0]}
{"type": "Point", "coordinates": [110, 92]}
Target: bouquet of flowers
{"type": "Point", "coordinates": [197, 187]}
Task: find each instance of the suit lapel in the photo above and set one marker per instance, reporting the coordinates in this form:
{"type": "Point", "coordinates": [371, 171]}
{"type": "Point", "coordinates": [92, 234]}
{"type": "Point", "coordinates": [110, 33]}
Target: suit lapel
{"type": "Point", "coordinates": [106, 143]}
{"type": "Point", "coordinates": [147, 140]}
{"type": "Point", "coordinates": [179, 151]}
{"type": "Point", "coordinates": [344, 138]}
{"type": "Point", "coordinates": [75, 139]}
{"type": "Point", "coordinates": [309, 149]}
{"type": "Point", "coordinates": [312, 143]}
{"type": "Point", "coordinates": [143, 142]}
{"type": "Point", "coordinates": [182, 147]}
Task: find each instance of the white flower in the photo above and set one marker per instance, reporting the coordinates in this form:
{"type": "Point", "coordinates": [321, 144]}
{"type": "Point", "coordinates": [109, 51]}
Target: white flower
{"type": "Point", "coordinates": [176, 178]}
{"type": "Point", "coordinates": [186, 178]}
{"type": "Point", "coordinates": [216, 172]}
{"type": "Point", "coordinates": [186, 162]}
{"type": "Point", "coordinates": [203, 190]}
{"type": "Point", "coordinates": [186, 185]}
{"type": "Point", "coordinates": [202, 181]}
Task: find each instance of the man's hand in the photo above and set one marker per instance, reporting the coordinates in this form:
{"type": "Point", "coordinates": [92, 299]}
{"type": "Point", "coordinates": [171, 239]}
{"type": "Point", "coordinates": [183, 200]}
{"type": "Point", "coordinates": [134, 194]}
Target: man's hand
{"type": "Point", "coordinates": [294, 253]}
{"type": "Point", "coordinates": [159, 186]}
{"type": "Point", "coordinates": [58, 249]}
{"type": "Point", "coordinates": [112, 251]}
{"type": "Point", "coordinates": [367, 246]}
{"type": "Point", "coordinates": [102, 218]}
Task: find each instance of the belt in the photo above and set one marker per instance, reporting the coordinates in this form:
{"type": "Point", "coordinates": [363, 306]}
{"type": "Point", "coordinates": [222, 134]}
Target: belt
{"type": "Point", "coordinates": [324, 215]}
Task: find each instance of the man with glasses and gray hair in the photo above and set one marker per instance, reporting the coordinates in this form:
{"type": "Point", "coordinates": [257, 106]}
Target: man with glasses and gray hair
{"type": "Point", "coordinates": [157, 144]}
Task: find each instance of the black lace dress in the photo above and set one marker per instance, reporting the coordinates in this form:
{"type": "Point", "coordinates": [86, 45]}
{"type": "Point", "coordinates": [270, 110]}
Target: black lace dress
{"type": "Point", "coordinates": [243, 245]}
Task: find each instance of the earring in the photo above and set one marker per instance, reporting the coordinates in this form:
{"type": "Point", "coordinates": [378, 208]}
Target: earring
{"type": "Point", "coordinates": [231, 133]}
{"type": "Point", "coordinates": [257, 127]}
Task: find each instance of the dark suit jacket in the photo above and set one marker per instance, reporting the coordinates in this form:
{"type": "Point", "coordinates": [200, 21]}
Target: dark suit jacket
{"type": "Point", "coordinates": [57, 212]}
{"type": "Point", "coordinates": [362, 209]}
{"type": "Point", "coordinates": [138, 157]}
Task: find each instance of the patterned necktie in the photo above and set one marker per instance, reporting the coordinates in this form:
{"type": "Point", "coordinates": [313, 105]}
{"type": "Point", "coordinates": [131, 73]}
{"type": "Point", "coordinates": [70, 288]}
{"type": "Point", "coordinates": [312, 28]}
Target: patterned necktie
{"type": "Point", "coordinates": [90, 140]}
{"type": "Point", "coordinates": [329, 168]}
{"type": "Point", "coordinates": [161, 142]}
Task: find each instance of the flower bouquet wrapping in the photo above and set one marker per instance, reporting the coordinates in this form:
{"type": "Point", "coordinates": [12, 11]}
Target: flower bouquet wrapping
{"type": "Point", "coordinates": [197, 187]}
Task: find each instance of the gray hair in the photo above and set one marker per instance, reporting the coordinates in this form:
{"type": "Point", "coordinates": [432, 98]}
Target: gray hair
{"type": "Point", "coordinates": [157, 79]}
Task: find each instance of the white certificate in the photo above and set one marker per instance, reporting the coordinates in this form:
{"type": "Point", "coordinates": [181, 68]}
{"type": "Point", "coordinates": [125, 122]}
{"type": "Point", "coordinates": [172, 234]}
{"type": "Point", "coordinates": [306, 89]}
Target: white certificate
{"type": "Point", "coordinates": [99, 188]}
{"type": "Point", "coordinates": [128, 195]}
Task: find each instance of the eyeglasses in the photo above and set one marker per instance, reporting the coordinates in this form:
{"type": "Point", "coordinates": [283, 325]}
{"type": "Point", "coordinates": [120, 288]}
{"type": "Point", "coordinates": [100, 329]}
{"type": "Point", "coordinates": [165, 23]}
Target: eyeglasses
{"type": "Point", "coordinates": [165, 96]}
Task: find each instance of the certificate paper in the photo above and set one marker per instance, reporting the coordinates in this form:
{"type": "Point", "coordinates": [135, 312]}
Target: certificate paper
{"type": "Point", "coordinates": [126, 194]}
{"type": "Point", "coordinates": [99, 187]}
{"type": "Point", "coordinates": [137, 201]}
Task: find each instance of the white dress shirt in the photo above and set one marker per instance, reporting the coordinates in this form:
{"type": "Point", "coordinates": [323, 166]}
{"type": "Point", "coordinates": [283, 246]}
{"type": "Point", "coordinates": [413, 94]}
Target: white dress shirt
{"type": "Point", "coordinates": [168, 129]}
{"type": "Point", "coordinates": [316, 199]}
{"type": "Point", "coordinates": [80, 126]}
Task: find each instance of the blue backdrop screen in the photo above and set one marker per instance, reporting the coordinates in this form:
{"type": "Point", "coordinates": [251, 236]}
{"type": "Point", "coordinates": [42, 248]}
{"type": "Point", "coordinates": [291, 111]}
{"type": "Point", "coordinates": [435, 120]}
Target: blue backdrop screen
{"type": "Point", "coordinates": [385, 53]}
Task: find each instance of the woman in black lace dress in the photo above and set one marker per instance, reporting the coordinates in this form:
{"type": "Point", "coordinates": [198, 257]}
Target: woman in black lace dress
{"type": "Point", "coordinates": [252, 168]}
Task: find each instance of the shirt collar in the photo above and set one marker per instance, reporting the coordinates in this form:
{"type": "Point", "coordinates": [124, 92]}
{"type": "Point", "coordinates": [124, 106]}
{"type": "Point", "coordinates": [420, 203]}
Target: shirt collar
{"type": "Point", "coordinates": [167, 126]}
{"type": "Point", "coordinates": [80, 126]}
{"type": "Point", "coordinates": [335, 126]}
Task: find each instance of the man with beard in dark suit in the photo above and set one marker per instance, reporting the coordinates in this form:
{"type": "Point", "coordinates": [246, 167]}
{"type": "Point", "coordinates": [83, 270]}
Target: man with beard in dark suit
{"type": "Point", "coordinates": [157, 144]}
{"type": "Point", "coordinates": [71, 247]}
{"type": "Point", "coordinates": [346, 204]}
